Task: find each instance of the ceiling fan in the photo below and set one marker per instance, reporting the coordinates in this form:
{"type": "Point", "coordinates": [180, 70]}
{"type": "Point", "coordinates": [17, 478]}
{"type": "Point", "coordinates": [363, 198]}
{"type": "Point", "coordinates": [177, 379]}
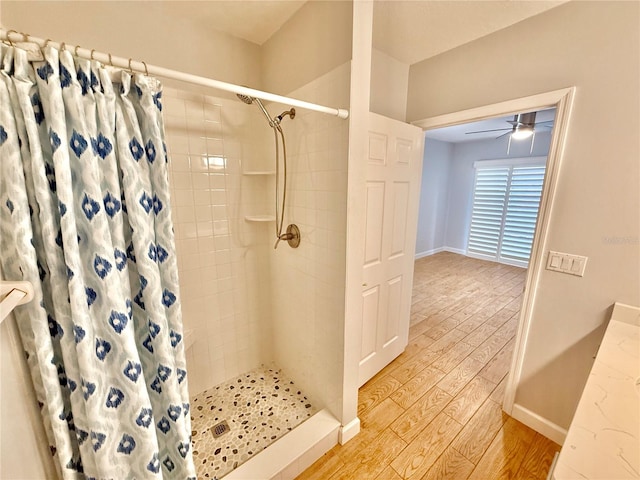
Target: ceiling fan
{"type": "Point", "coordinates": [523, 126]}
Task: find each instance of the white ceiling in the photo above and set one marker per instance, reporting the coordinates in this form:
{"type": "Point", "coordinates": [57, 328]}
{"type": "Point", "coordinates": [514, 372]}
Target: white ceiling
{"type": "Point", "coordinates": [411, 31]}
{"type": "Point", "coordinates": [252, 20]}
{"type": "Point", "coordinates": [458, 133]}
{"type": "Point", "coordinates": [408, 30]}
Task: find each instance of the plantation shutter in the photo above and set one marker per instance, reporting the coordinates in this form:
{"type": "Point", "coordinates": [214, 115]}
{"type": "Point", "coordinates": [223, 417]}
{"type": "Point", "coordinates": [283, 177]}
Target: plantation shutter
{"type": "Point", "coordinates": [488, 211]}
{"type": "Point", "coordinates": [505, 209]}
{"type": "Point", "coordinates": [521, 213]}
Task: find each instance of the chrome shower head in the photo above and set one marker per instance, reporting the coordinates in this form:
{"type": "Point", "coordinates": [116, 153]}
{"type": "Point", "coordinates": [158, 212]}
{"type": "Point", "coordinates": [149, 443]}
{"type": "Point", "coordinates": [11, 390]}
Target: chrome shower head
{"type": "Point", "coordinates": [249, 100]}
{"type": "Point", "coordinates": [245, 98]}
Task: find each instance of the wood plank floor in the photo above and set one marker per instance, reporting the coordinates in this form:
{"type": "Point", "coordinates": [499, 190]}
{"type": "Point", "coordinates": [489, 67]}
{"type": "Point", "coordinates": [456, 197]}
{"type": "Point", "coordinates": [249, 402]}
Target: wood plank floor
{"type": "Point", "coordinates": [435, 412]}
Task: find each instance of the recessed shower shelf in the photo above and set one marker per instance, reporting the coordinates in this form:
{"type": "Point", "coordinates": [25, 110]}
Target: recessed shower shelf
{"type": "Point", "coordinates": [260, 218]}
{"type": "Point", "coordinates": [259, 172]}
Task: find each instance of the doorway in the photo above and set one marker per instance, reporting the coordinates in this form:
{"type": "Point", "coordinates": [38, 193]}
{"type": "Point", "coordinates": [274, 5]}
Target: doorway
{"type": "Point", "coordinates": [561, 100]}
{"type": "Point", "coordinates": [481, 188]}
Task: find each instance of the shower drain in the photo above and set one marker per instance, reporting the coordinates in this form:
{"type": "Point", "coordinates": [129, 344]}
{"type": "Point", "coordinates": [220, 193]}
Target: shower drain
{"type": "Point", "coordinates": [220, 429]}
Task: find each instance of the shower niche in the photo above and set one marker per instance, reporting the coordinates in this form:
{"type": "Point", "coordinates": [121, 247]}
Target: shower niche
{"type": "Point", "coordinates": [261, 179]}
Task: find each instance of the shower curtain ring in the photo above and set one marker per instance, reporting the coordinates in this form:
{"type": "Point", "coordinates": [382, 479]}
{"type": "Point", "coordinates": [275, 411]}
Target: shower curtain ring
{"type": "Point", "coordinates": [146, 70]}
{"type": "Point", "coordinates": [46, 42]}
{"type": "Point", "coordinates": [9, 37]}
{"type": "Point", "coordinates": [63, 47]}
{"type": "Point", "coordinates": [92, 52]}
{"type": "Point", "coordinates": [75, 50]}
{"type": "Point", "coordinates": [110, 61]}
{"type": "Point", "coordinates": [130, 67]}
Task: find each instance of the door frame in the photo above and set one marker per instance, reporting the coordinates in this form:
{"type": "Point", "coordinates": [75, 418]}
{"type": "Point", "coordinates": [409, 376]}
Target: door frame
{"type": "Point", "coordinates": [562, 100]}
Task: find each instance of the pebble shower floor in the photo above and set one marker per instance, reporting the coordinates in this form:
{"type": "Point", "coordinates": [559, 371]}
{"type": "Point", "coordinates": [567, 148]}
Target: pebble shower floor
{"type": "Point", "coordinates": [259, 407]}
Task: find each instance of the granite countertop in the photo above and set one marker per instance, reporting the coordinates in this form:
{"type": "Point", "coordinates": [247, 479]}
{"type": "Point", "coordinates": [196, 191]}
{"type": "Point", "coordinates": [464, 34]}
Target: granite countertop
{"type": "Point", "coordinates": [603, 441]}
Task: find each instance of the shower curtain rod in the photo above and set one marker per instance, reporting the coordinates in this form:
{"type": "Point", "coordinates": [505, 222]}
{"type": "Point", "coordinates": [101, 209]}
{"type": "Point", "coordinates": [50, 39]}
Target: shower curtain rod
{"type": "Point", "coordinates": [13, 37]}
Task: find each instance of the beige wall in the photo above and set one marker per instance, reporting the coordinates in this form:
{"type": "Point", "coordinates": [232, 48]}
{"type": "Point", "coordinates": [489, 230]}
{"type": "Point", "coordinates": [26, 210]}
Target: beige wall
{"type": "Point", "coordinates": [146, 31]}
{"type": "Point", "coordinates": [595, 47]}
{"type": "Point", "coordinates": [389, 79]}
{"type": "Point", "coordinates": [19, 415]}
{"type": "Point", "coordinates": [312, 42]}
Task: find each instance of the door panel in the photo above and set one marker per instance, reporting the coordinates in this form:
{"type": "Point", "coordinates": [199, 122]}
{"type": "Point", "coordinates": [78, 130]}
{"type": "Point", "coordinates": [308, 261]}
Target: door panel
{"type": "Point", "coordinates": [370, 301]}
{"type": "Point", "coordinates": [377, 148]}
{"type": "Point", "coordinates": [374, 222]}
{"type": "Point", "coordinates": [400, 207]}
{"type": "Point", "coordinates": [394, 288]}
{"type": "Point", "coordinates": [394, 168]}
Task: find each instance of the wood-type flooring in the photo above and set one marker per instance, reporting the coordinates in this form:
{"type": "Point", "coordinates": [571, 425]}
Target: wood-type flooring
{"type": "Point", "coordinates": [435, 411]}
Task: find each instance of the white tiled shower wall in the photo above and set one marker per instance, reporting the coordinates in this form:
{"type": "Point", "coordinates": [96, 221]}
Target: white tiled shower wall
{"type": "Point", "coordinates": [222, 259]}
{"type": "Point", "coordinates": [308, 283]}
{"type": "Point", "coordinates": [246, 302]}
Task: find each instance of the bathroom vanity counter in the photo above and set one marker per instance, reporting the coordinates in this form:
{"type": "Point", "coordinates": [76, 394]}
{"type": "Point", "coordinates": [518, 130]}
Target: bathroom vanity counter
{"type": "Point", "coordinates": [603, 441]}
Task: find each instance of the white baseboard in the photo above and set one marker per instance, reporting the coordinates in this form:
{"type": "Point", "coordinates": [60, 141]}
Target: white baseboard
{"type": "Point", "coordinates": [348, 431]}
{"type": "Point", "coordinates": [429, 252]}
{"type": "Point", "coordinates": [539, 424]}
{"type": "Point", "coordinates": [438, 250]}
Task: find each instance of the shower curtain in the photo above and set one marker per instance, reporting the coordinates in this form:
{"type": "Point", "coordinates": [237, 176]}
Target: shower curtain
{"type": "Point", "coordinates": [84, 216]}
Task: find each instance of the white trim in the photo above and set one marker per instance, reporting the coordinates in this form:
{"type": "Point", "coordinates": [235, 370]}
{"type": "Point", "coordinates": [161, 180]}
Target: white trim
{"type": "Point", "coordinates": [539, 424]}
{"type": "Point", "coordinates": [504, 261]}
{"type": "Point", "coordinates": [562, 100]}
{"type": "Point", "coordinates": [348, 431]}
{"type": "Point", "coordinates": [459, 251]}
{"type": "Point", "coordinates": [508, 162]}
{"type": "Point", "coordinates": [360, 86]}
{"type": "Point", "coordinates": [427, 253]}
{"type": "Point", "coordinates": [438, 250]}
{"type": "Point", "coordinates": [509, 107]}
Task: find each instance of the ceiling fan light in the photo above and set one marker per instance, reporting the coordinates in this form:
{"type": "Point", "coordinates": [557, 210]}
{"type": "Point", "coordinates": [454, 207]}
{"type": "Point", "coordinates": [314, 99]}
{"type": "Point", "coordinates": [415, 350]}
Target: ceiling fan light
{"type": "Point", "coordinates": [520, 133]}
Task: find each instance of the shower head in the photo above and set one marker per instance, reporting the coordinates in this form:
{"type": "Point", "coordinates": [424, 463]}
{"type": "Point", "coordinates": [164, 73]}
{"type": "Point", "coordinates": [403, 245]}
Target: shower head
{"type": "Point", "coordinates": [246, 99]}
{"type": "Point", "coordinates": [249, 100]}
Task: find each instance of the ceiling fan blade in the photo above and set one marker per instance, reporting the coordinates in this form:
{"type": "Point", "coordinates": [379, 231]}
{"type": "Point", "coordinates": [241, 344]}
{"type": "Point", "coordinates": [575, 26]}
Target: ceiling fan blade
{"type": "Point", "coordinates": [483, 131]}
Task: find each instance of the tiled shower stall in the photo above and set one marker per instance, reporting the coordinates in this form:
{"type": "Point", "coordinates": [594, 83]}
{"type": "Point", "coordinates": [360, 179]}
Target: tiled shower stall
{"type": "Point", "coordinates": [247, 308]}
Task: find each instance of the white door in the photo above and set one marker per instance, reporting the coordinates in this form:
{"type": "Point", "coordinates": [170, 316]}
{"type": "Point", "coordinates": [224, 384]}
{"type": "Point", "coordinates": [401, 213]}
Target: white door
{"type": "Point", "coordinates": [393, 178]}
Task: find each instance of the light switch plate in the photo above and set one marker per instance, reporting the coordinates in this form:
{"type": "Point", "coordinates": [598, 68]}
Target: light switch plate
{"type": "Point", "coordinates": [566, 263]}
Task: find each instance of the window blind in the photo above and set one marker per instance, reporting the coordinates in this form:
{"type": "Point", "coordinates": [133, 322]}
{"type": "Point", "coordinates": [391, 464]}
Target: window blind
{"type": "Point", "coordinates": [505, 209]}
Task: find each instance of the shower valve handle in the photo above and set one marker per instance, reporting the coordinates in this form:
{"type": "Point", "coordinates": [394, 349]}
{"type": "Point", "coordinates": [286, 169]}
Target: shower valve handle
{"type": "Point", "coordinates": [292, 237]}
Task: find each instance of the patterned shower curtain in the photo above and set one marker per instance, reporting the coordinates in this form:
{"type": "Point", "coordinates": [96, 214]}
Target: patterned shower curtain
{"type": "Point", "coordinates": [84, 216]}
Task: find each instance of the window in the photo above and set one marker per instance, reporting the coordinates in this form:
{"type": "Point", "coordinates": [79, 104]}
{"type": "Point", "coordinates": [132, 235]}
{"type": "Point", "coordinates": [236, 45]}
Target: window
{"type": "Point", "coordinates": [506, 198]}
